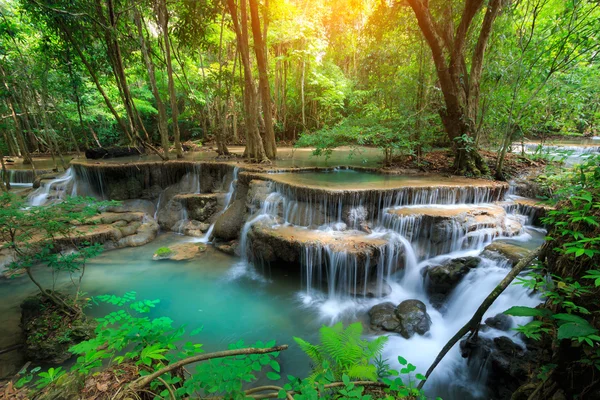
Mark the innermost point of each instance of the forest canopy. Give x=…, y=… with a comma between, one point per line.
x=404, y=76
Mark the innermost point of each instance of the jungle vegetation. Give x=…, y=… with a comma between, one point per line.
x=405, y=76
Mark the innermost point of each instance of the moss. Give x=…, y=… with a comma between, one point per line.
x=49, y=333
x=163, y=251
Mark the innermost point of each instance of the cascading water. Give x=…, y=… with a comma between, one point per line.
x=229, y=197
x=334, y=279
x=55, y=190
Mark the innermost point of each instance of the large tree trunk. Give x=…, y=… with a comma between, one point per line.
x=163, y=17
x=163, y=125
x=92, y=73
x=221, y=134
x=18, y=131
x=254, y=146
x=263, y=79
x=460, y=87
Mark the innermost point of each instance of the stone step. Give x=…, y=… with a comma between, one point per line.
x=289, y=243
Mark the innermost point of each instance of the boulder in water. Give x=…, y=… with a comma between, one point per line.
x=195, y=228
x=229, y=224
x=113, y=152
x=500, y=250
x=383, y=317
x=413, y=318
x=180, y=252
x=509, y=364
x=227, y=247
x=502, y=322
x=408, y=318
x=442, y=279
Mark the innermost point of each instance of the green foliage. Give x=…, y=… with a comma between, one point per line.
x=569, y=283
x=163, y=251
x=34, y=235
x=344, y=351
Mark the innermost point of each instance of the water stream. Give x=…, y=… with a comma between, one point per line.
x=335, y=216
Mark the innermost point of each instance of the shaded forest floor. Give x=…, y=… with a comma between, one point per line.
x=441, y=162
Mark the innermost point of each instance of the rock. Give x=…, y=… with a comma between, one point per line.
x=372, y=290
x=500, y=321
x=152, y=193
x=195, y=228
x=201, y=207
x=508, y=364
x=228, y=225
x=48, y=333
x=144, y=206
x=442, y=279
x=112, y=217
x=113, y=152
x=413, y=318
x=258, y=191
x=227, y=247
x=169, y=215
x=408, y=318
x=145, y=234
x=180, y=252
x=500, y=250
x=383, y=317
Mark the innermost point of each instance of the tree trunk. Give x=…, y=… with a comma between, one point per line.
x=92, y=73
x=18, y=131
x=254, y=146
x=263, y=79
x=460, y=87
x=163, y=17
x=5, y=181
x=163, y=125
x=221, y=134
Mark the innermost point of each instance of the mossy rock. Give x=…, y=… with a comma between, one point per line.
x=180, y=252
x=49, y=333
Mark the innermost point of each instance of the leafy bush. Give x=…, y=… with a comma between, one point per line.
x=33, y=235
x=569, y=276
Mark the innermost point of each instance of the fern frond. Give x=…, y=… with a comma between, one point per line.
x=313, y=351
x=368, y=372
x=375, y=347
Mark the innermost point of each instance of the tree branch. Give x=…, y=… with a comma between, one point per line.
x=143, y=381
x=473, y=324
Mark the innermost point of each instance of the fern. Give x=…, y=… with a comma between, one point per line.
x=344, y=351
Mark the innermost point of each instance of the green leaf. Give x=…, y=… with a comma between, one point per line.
x=573, y=330
x=275, y=365
x=273, y=376
x=521, y=311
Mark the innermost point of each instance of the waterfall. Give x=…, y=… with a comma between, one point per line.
x=229, y=197
x=54, y=190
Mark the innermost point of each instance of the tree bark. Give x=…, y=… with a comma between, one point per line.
x=221, y=134
x=460, y=87
x=263, y=80
x=163, y=125
x=92, y=73
x=163, y=18
x=254, y=146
